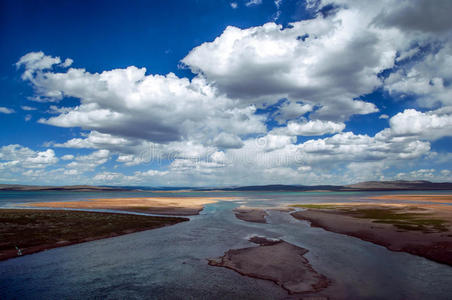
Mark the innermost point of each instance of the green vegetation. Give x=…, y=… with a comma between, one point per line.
x=402, y=219
x=35, y=228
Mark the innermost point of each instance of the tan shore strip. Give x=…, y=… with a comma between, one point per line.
x=182, y=206
x=27, y=231
x=277, y=261
x=420, y=229
x=408, y=197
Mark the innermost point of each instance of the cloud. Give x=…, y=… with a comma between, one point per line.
x=330, y=61
x=36, y=61
x=416, y=124
x=278, y=4
x=253, y=2
x=28, y=108
x=95, y=140
x=426, y=174
x=234, y=5
x=311, y=128
x=224, y=140
x=266, y=63
x=84, y=163
x=291, y=110
x=67, y=62
x=137, y=177
x=18, y=156
x=426, y=78
x=253, y=92
x=130, y=104
x=418, y=15
x=5, y=110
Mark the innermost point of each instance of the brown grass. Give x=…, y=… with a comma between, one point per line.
x=33, y=230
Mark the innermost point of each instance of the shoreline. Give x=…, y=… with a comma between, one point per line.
x=422, y=230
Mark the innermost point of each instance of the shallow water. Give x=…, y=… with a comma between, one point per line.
x=171, y=262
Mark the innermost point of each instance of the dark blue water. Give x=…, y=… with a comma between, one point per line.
x=171, y=262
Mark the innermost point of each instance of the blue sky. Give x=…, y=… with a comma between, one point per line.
x=214, y=93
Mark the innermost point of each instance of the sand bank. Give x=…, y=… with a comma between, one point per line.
x=33, y=230
x=256, y=214
x=249, y=214
x=423, y=198
x=182, y=206
x=278, y=261
x=423, y=230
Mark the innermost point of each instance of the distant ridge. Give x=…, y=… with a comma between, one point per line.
x=282, y=187
x=399, y=185
x=396, y=185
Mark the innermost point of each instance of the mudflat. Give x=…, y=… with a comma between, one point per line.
x=420, y=229
x=181, y=206
x=257, y=214
x=33, y=230
x=275, y=260
x=250, y=214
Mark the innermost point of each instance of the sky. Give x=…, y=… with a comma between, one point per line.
x=225, y=93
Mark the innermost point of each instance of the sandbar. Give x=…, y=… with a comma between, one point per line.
x=423, y=198
x=257, y=214
x=250, y=214
x=179, y=206
x=34, y=230
x=277, y=261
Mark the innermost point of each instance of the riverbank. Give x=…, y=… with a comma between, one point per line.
x=26, y=231
x=422, y=229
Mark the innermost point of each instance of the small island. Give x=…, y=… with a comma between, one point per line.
x=250, y=214
x=277, y=261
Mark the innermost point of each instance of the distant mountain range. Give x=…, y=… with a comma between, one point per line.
x=397, y=185
x=282, y=187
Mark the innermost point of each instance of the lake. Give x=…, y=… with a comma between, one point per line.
x=171, y=262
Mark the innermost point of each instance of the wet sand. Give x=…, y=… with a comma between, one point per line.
x=249, y=214
x=257, y=214
x=33, y=230
x=421, y=229
x=277, y=261
x=180, y=206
